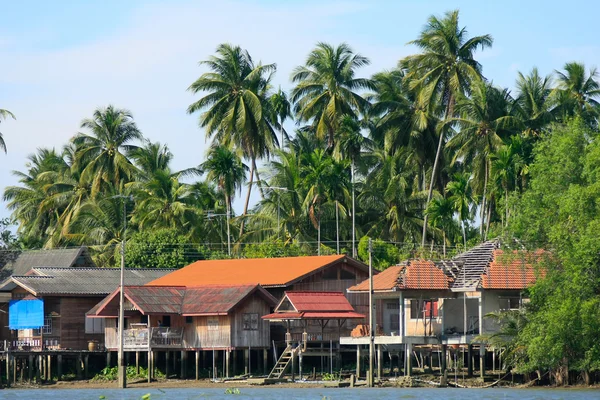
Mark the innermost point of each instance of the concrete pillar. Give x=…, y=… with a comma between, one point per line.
x=443, y=366
x=197, y=366
x=137, y=362
x=246, y=359
x=379, y=362
x=469, y=360
x=358, y=360
x=402, y=316
x=408, y=359
x=482, y=360
x=149, y=366
x=167, y=359
x=227, y=355
x=49, y=368
x=183, y=374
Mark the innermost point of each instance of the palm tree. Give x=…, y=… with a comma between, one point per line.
x=4, y=114
x=577, y=92
x=282, y=108
x=226, y=169
x=486, y=119
x=349, y=145
x=102, y=154
x=327, y=88
x=151, y=157
x=440, y=210
x=443, y=71
x=460, y=193
x=534, y=102
x=236, y=109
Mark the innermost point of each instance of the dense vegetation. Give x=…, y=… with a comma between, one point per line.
x=428, y=157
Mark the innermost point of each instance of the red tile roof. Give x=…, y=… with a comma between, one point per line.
x=416, y=274
x=205, y=300
x=268, y=272
x=511, y=270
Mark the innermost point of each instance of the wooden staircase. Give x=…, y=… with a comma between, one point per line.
x=283, y=363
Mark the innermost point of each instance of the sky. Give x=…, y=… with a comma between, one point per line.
x=63, y=59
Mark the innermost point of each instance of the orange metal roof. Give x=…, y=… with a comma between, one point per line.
x=267, y=272
x=383, y=281
x=511, y=270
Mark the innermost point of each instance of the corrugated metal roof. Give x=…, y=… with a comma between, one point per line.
x=268, y=272
x=64, y=258
x=319, y=301
x=313, y=315
x=205, y=300
x=84, y=281
x=473, y=264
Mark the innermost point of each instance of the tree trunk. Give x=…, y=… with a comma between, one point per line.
x=247, y=200
x=435, y=165
x=464, y=234
x=258, y=181
x=319, y=237
x=228, y=201
x=506, y=206
x=489, y=218
x=483, y=200
x=444, y=239
x=353, y=211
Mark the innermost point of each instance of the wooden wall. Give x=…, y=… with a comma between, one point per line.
x=72, y=322
x=251, y=338
x=196, y=335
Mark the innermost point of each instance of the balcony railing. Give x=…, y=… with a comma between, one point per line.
x=161, y=337
x=319, y=337
x=33, y=343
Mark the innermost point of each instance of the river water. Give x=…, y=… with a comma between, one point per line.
x=305, y=394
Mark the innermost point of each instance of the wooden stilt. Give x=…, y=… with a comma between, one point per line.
x=137, y=362
x=14, y=369
x=86, y=366
x=443, y=359
x=30, y=367
x=174, y=362
x=59, y=366
x=150, y=366
x=469, y=360
x=246, y=358
x=408, y=355
x=108, y=359
x=49, y=368
x=78, y=366
x=183, y=373
x=197, y=366
x=482, y=361
x=167, y=359
x=265, y=361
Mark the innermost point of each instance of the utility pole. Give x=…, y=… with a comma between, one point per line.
x=371, y=316
x=122, y=370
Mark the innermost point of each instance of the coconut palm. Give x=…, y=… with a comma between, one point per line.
x=577, y=92
x=326, y=88
x=226, y=169
x=534, y=102
x=102, y=153
x=440, y=212
x=282, y=109
x=443, y=71
x=4, y=114
x=151, y=157
x=487, y=118
x=236, y=110
x=460, y=193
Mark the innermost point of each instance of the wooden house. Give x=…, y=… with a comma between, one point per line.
x=64, y=295
x=223, y=318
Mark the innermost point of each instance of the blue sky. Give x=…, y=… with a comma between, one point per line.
x=62, y=59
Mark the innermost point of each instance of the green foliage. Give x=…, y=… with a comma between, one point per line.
x=332, y=377
x=384, y=254
x=164, y=248
x=111, y=374
x=232, y=391
x=272, y=248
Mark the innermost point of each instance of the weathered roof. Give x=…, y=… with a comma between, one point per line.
x=414, y=274
x=314, y=305
x=81, y=281
x=268, y=272
x=64, y=258
x=513, y=270
x=192, y=301
x=473, y=264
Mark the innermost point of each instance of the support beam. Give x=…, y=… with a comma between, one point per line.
x=8, y=369
x=149, y=366
x=183, y=373
x=137, y=362
x=246, y=359
x=408, y=355
x=108, y=359
x=49, y=368
x=167, y=359
x=197, y=366
x=443, y=354
x=482, y=360
x=86, y=366
x=227, y=355
x=30, y=367
x=38, y=370
x=265, y=361
x=469, y=360
x=379, y=362
x=358, y=360
x=78, y=366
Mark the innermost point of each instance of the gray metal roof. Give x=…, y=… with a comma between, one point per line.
x=83, y=281
x=473, y=264
x=65, y=258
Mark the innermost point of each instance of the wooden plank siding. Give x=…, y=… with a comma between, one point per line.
x=72, y=322
x=258, y=338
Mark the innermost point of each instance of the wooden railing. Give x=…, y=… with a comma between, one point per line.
x=319, y=337
x=33, y=343
x=137, y=339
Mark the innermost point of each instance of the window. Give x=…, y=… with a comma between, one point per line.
x=188, y=320
x=213, y=324
x=423, y=309
x=250, y=321
x=166, y=321
x=144, y=319
x=94, y=325
x=392, y=306
x=509, y=303
x=46, y=329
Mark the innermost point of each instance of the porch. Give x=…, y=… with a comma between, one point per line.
x=145, y=338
